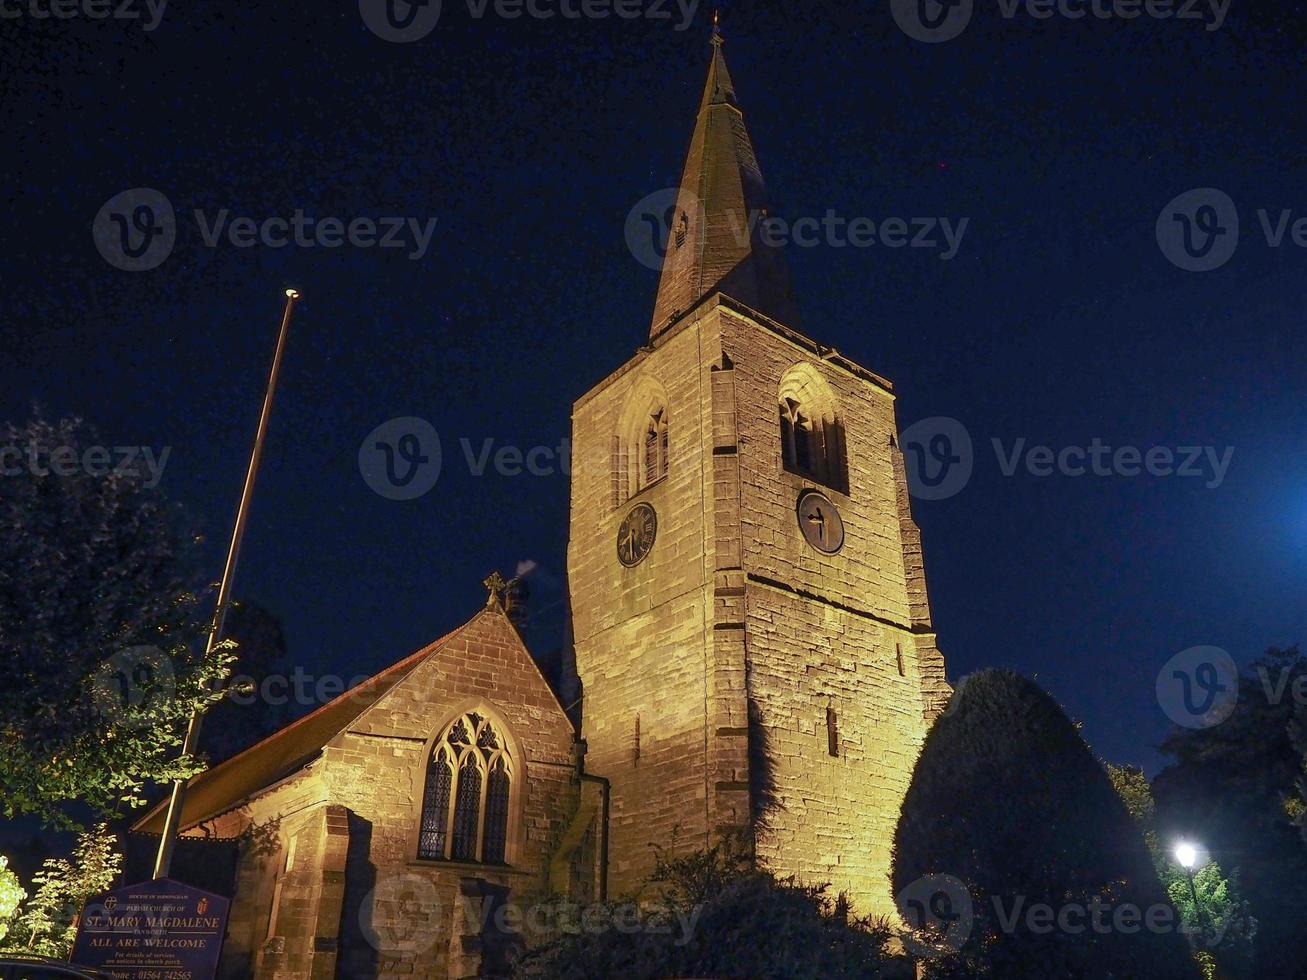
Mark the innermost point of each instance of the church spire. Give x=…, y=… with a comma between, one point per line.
x=714, y=240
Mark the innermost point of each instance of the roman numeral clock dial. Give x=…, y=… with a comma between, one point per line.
x=635, y=537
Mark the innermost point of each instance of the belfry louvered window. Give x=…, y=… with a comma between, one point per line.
x=812, y=435
x=465, y=806
x=655, y=449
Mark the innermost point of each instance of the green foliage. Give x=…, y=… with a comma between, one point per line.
x=48, y=924
x=101, y=643
x=1007, y=799
x=11, y=896
x=238, y=721
x=1237, y=787
x=717, y=917
x=1221, y=926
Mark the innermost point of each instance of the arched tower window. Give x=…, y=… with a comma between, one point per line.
x=642, y=444
x=655, y=448
x=471, y=768
x=812, y=436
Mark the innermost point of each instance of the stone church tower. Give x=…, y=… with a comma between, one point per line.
x=751, y=631
x=751, y=624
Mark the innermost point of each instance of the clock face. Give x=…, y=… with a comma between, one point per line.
x=820, y=522
x=636, y=536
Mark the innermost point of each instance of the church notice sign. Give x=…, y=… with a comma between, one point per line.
x=157, y=930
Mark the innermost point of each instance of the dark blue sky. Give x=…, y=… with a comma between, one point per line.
x=1059, y=320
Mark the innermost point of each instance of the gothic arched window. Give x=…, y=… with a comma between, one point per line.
x=654, y=464
x=471, y=768
x=812, y=437
x=642, y=443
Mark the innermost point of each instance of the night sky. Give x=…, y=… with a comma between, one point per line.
x=1059, y=320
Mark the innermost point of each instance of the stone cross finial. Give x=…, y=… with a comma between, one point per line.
x=497, y=586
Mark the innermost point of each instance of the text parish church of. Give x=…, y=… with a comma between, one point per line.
x=752, y=637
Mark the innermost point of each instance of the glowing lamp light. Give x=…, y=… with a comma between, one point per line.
x=292, y=294
x=1186, y=854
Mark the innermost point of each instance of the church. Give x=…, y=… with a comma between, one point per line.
x=751, y=636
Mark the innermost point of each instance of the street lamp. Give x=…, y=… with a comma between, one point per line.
x=1187, y=856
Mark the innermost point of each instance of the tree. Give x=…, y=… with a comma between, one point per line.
x=1237, y=788
x=101, y=643
x=48, y=924
x=1221, y=926
x=719, y=917
x=1011, y=823
x=11, y=896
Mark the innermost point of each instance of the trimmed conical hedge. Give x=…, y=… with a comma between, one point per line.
x=1008, y=800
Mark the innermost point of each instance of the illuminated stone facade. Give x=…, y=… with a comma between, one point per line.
x=753, y=657
x=739, y=678
x=715, y=671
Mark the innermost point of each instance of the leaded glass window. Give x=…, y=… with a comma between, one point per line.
x=496, y=832
x=465, y=805
x=435, y=806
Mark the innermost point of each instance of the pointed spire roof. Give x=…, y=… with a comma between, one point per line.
x=714, y=241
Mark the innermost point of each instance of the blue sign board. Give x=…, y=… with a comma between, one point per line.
x=157, y=930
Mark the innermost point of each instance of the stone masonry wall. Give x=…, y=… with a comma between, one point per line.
x=353, y=819
x=826, y=632
x=643, y=634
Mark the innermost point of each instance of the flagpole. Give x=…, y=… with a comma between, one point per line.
x=172, y=825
